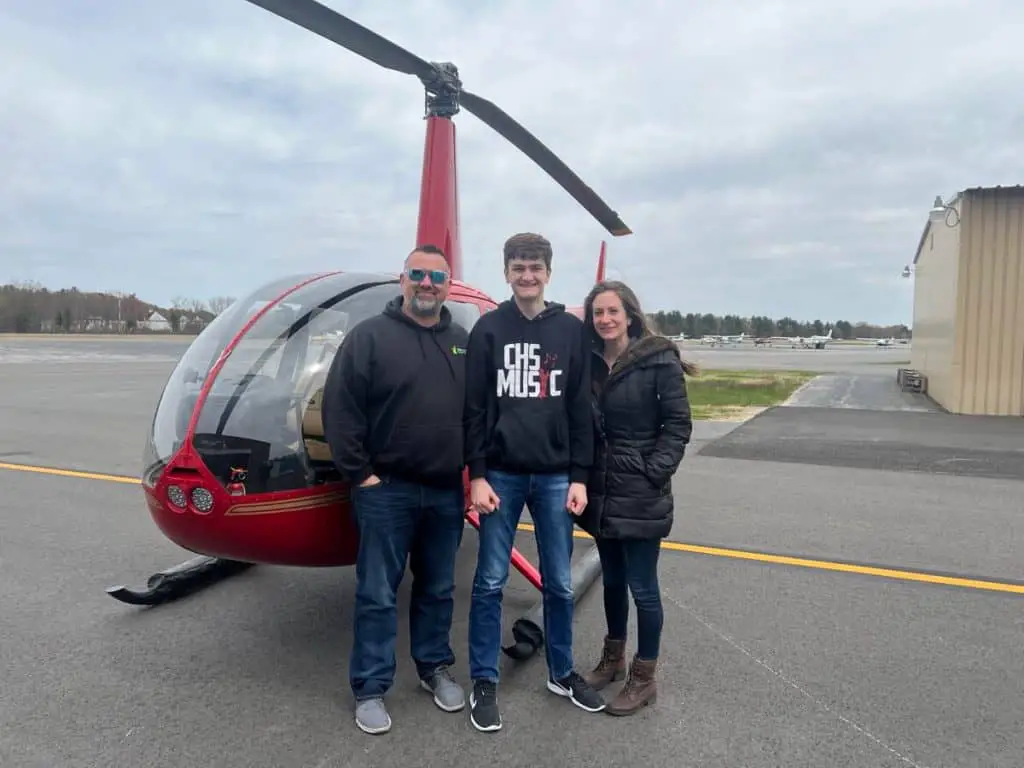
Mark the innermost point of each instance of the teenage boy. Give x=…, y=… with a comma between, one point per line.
x=529, y=441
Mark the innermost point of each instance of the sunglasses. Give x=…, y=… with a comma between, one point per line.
x=437, y=276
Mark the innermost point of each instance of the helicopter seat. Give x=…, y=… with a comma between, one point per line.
x=313, y=429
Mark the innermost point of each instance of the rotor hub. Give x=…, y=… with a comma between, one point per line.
x=443, y=88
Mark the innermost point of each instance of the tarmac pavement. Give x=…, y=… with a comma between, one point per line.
x=763, y=664
x=979, y=446
x=835, y=358
x=864, y=391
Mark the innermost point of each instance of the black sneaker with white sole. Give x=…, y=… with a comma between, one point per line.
x=483, y=706
x=575, y=688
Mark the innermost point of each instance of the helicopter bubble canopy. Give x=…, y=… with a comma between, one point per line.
x=259, y=429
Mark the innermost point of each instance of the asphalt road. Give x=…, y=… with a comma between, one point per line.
x=850, y=376
x=909, y=440
x=764, y=664
x=860, y=391
x=838, y=358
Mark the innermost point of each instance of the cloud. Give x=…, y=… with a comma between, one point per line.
x=771, y=157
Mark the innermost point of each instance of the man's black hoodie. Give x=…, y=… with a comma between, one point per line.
x=393, y=399
x=527, y=393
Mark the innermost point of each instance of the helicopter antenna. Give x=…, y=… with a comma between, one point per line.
x=445, y=95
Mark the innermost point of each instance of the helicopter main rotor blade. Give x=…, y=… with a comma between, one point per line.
x=323, y=21
x=531, y=146
x=330, y=24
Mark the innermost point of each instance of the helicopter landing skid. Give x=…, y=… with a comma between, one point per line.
x=179, y=581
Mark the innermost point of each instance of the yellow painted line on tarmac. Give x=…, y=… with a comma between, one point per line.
x=71, y=473
x=828, y=565
x=577, y=534
x=865, y=570
x=676, y=546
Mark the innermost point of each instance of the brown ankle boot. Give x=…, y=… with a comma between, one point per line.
x=611, y=667
x=639, y=691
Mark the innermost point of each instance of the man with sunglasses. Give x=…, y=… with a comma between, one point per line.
x=392, y=414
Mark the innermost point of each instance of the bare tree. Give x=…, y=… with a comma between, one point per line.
x=219, y=303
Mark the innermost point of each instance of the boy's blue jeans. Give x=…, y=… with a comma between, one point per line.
x=545, y=494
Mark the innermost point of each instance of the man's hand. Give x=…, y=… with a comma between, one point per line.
x=577, y=499
x=370, y=481
x=483, y=497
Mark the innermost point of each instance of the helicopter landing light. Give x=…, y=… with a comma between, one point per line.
x=202, y=500
x=176, y=496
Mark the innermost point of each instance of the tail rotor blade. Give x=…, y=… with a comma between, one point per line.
x=546, y=159
x=323, y=21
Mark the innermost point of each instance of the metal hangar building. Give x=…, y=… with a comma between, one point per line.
x=968, y=334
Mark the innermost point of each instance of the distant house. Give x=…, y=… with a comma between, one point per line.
x=155, y=322
x=99, y=324
x=194, y=321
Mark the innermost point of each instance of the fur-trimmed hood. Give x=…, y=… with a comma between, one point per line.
x=644, y=348
x=641, y=351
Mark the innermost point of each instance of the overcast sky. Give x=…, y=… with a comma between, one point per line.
x=771, y=157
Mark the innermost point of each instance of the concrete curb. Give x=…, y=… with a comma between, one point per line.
x=800, y=389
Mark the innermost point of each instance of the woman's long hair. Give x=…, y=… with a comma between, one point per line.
x=638, y=327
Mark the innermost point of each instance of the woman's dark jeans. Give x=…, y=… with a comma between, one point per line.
x=631, y=565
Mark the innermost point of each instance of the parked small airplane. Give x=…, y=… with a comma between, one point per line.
x=810, y=342
x=718, y=339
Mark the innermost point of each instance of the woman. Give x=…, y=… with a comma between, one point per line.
x=643, y=425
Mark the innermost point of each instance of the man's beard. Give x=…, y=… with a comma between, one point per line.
x=424, y=305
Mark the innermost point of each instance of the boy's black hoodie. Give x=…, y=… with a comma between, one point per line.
x=527, y=396
x=393, y=399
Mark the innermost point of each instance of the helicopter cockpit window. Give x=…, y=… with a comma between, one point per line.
x=464, y=313
x=262, y=411
x=256, y=414
x=170, y=423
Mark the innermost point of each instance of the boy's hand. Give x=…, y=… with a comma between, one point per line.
x=577, y=499
x=482, y=496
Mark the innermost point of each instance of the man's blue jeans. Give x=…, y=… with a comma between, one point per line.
x=403, y=522
x=546, y=495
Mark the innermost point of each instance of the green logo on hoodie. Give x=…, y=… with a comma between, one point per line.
x=457, y=350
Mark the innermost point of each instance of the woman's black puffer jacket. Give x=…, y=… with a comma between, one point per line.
x=643, y=424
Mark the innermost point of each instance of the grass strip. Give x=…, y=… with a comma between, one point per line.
x=728, y=395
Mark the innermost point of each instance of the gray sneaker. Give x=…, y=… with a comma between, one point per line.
x=372, y=716
x=448, y=695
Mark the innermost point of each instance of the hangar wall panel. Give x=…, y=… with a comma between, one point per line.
x=988, y=364
x=936, y=279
